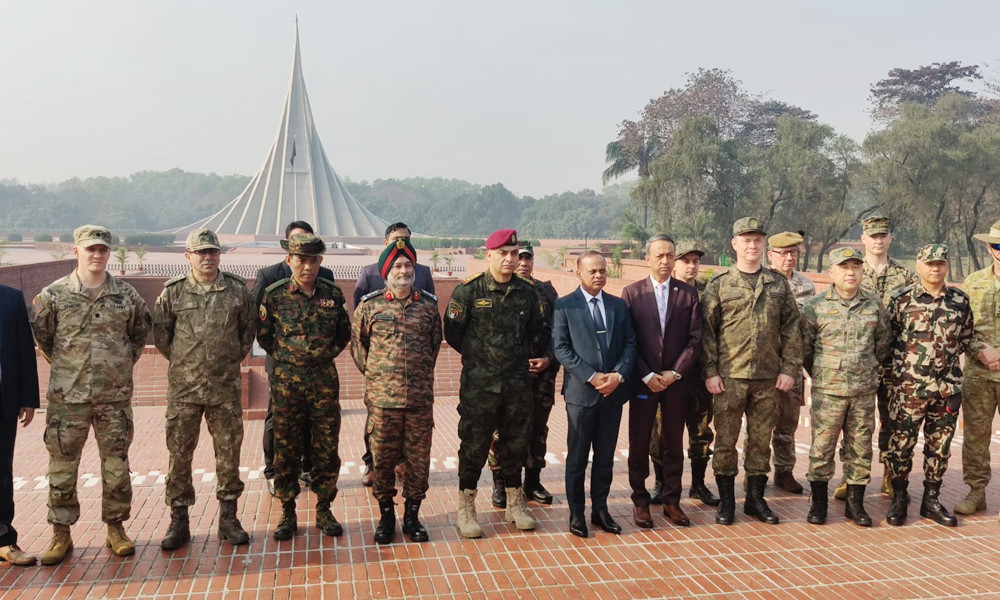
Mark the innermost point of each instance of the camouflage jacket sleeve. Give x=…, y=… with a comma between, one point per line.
x=361, y=334
x=163, y=323
x=343, y=335
x=43, y=320
x=265, y=325
x=711, y=314
x=436, y=332
x=247, y=324
x=540, y=344
x=810, y=329
x=547, y=295
x=457, y=317
x=791, y=337
x=139, y=325
x=883, y=336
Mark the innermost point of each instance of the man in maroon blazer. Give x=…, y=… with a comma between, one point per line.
x=666, y=317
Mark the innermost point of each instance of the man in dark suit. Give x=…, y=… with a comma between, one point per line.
x=265, y=277
x=18, y=401
x=370, y=281
x=666, y=317
x=592, y=338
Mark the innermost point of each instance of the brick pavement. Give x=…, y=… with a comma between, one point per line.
x=747, y=560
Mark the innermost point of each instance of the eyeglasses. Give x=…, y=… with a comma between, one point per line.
x=792, y=252
x=995, y=246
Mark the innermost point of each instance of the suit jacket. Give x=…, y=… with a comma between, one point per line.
x=370, y=280
x=679, y=347
x=18, y=367
x=575, y=346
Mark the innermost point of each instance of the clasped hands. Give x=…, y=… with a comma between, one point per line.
x=605, y=383
x=715, y=386
x=990, y=358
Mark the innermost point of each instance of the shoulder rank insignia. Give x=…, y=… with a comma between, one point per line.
x=473, y=277
x=370, y=295
x=428, y=294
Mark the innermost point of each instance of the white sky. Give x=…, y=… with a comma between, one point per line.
x=524, y=93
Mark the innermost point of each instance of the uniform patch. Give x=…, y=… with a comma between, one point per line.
x=484, y=303
x=383, y=317
x=327, y=303
x=262, y=312
x=454, y=309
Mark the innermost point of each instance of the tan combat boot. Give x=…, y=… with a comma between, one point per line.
x=118, y=541
x=973, y=503
x=840, y=493
x=468, y=526
x=517, y=512
x=59, y=547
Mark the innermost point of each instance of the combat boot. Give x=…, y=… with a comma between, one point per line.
x=468, y=526
x=698, y=488
x=727, y=499
x=499, y=498
x=840, y=493
x=118, y=541
x=533, y=488
x=230, y=529
x=179, y=530
x=786, y=481
x=900, y=502
x=287, y=524
x=930, y=506
x=855, y=508
x=59, y=547
x=819, y=502
x=411, y=522
x=386, y=529
x=974, y=502
x=755, y=505
x=325, y=521
x=517, y=512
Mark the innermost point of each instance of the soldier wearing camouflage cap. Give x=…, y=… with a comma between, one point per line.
x=204, y=325
x=751, y=351
x=92, y=329
x=845, y=337
x=981, y=386
x=931, y=327
x=783, y=254
x=395, y=339
x=304, y=325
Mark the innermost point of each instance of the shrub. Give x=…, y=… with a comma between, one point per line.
x=15, y=237
x=149, y=239
x=43, y=237
x=66, y=238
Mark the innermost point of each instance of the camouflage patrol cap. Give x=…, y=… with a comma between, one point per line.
x=304, y=244
x=747, y=225
x=685, y=247
x=86, y=236
x=839, y=256
x=785, y=239
x=875, y=224
x=933, y=253
x=202, y=239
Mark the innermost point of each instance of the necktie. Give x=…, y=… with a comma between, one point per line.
x=661, y=304
x=602, y=332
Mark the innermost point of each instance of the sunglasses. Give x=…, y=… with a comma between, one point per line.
x=995, y=246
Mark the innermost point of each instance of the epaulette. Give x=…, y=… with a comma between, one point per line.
x=234, y=276
x=525, y=279
x=330, y=281
x=717, y=275
x=901, y=291
x=371, y=295
x=276, y=285
x=174, y=280
x=428, y=294
x=473, y=277
x=960, y=291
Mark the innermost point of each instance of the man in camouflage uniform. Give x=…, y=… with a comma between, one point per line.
x=783, y=254
x=496, y=321
x=204, y=325
x=395, y=339
x=931, y=327
x=304, y=325
x=543, y=371
x=883, y=277
x=751, y=350
x=91, y=328
x=982, y=376
x=845, y=338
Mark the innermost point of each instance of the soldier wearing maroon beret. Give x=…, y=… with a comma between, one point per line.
x=496, y=321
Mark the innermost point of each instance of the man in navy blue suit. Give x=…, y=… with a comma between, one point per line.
x=18, y=401
x=592, y=337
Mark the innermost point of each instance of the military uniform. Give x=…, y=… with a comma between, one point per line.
x=92, y=344
x=305, y=334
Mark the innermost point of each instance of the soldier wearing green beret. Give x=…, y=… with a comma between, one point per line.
x=204, y=325
x=92, y=329
x=783, y=253
x=845, y=337
x=304, y=325
x=751, y=350
x=931, y=327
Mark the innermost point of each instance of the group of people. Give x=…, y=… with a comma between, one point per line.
x=684, y=352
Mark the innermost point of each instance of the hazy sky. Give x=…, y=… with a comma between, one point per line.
x=525, y=93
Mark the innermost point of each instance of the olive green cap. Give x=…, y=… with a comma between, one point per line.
x=841, y=255
x=687, y=247
x=86, y=236
x=747, y=225
x=785, y=239
x=202, y=239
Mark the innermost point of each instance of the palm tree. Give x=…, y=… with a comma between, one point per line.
x=634, y=149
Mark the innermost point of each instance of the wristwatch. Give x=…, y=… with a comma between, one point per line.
x=677, y=376
x=621, y=378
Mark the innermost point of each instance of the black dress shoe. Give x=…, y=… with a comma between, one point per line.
x=602, y=519
x=578, y=525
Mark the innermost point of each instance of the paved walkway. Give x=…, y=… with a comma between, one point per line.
x=747, y=560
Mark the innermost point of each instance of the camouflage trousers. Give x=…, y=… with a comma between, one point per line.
x=66, y=429
x=908, y=414
x=395, y=431
x=543, y=395
x=699, y=429
x=980, y=399
x=885, y=423
x=302, y=398
x=480, y=413
x=225, y=425
x=758, y=400
x=783, y=440
x=854, y=417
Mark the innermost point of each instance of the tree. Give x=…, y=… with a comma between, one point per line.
x=121, y=255
x=140, y=254
x=923, y=85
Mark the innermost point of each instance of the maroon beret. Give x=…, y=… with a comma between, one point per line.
x=501, y=237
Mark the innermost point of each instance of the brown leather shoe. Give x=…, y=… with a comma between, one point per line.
x=15, y=556
x=676, y=515
x=368, y=478
x=642, y=517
